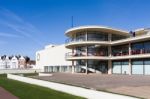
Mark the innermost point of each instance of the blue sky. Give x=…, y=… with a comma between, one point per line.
x=28, y=25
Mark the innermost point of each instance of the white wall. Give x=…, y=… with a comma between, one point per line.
x=52, y=56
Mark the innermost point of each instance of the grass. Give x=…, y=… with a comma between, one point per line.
x=29, y=91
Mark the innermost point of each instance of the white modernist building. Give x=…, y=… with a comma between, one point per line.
x=52, y=59
x=99, y=49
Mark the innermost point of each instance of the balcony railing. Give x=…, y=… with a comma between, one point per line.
x=140, y=51
x=69, y=40
x=100, y=53
x=133, y=52
x=121, y=53
x=79, y=54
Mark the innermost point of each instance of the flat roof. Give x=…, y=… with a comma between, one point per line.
x=106, y=29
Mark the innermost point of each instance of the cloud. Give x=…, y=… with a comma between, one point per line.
x=2, y=34
x=16, y=23
x=8, y=14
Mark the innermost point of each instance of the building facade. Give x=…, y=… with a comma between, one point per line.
x=98, y=49
x=52, y=59
x=13, y=62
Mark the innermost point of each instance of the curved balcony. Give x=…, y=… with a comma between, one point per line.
x=77, y=42
x=134, y=54
x=89, y=55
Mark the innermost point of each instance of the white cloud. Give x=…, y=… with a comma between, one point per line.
x=16, y=23
x=2, y=34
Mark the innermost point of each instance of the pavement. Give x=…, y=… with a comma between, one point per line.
x=4, y=94
x=134, y=85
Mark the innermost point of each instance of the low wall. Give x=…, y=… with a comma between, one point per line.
x=78, y=91
x=2, y=71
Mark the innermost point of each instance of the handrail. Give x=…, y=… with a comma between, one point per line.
x=69, y=40
x=89, y=53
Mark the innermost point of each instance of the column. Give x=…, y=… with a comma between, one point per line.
x=109, y=55
x=130, y=67
x=86, y=64
x=109, y=37
x=73, y=68
x=86, y=36
x=109, y=67
x=129, y=48
x=109, y=51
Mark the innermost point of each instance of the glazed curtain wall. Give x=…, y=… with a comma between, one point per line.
x=120, y=67
x=57, y=68
x=141, y=66
x=94, y=36
x=120, y=50
x=140, y=48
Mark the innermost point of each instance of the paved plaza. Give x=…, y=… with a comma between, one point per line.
x=135, y=85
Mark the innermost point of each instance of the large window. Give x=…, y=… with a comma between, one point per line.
x=117, y=67
x=81, y=36
x=96, y=36
x=147, y=67
x=137, y=67
x=93, y=66
x=80, y=51
x=121, y=67
x=97, y=50
x=98, y=66
x=147, y=47
x=120, y=50
x=125, y=67
x=140, y=48
x=117, y=37
x=141, y=66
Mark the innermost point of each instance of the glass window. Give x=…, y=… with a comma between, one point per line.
x=125, y=67
x=97, y=36
x=97, y=50
x=137, y=46
x=137, y=67
x=147, y=67
x=117, y=37
x=45, y=68
x=120, y=50
x=121, y=67
x=117, y=67
x=147, y=47
x=50, y=68
x=80, y=36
